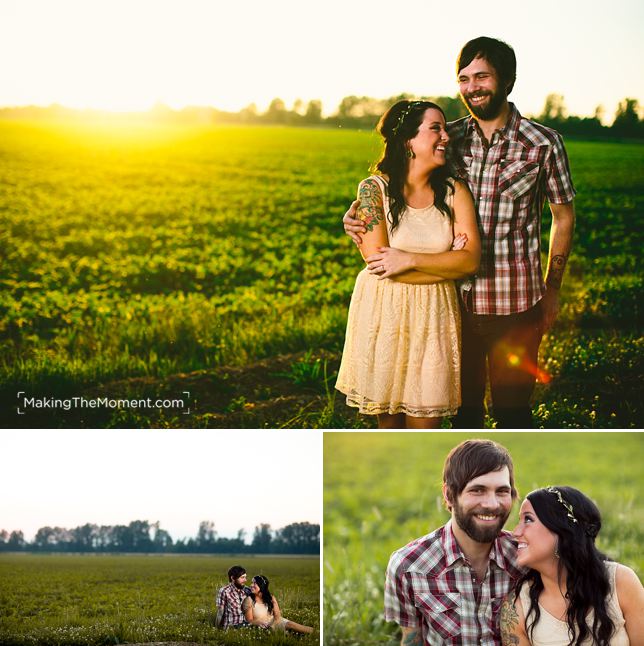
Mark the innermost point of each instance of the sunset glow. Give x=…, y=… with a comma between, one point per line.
x=131, y=55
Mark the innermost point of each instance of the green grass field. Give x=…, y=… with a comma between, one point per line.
x=150, y=260
x=383, y=490
x=70, y=600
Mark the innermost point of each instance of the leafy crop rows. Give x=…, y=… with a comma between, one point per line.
x=160, y=250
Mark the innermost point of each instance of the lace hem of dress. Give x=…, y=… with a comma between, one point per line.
x=367, y=407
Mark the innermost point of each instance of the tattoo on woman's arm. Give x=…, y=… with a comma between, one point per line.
x=371, y=210
x=556, y=271
x=509, y=623
x=412, y=638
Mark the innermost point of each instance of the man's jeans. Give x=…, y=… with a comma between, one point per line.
x=510, y=344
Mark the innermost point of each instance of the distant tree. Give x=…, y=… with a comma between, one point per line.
x=599, y=113
x=249, y=113
x=262, y=539
x=162, y=541
x=452, y=106
x=313, y=112
x=554, y=110
x=299, y=538
x=16, y=540
x=84, y=537
x=276, y=112
x=206, y=535
x=627, y=122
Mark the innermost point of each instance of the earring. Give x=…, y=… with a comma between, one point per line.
x=410, y=153
x=556, y=551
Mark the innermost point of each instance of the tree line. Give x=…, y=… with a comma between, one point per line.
x=360, y=112
x=147, y=537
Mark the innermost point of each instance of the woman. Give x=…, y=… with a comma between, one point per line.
x=572, y=594
x=401, y=358
x=261, y=609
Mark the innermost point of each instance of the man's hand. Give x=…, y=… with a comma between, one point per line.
x=352, y=225
x=459, y=242
x=550, y=307
x=389, y=262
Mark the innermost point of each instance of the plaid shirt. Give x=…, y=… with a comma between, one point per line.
x=431, y=585
x=230, y=599
x=524, y=164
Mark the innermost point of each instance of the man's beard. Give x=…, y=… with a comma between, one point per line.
x=478, y=533
x=488, y=112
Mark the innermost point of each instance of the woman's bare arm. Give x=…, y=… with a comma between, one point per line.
x=372, y=213
x=512, y=623
x=448, y=264
x=630, y=596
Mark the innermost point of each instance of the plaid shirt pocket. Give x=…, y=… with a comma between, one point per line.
x=442, y=614
x=516, y=178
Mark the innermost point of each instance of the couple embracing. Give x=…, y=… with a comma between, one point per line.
x=459, y=201
x=239, y=606
x=469, y=583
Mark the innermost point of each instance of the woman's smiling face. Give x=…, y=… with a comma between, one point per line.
x=536, y=543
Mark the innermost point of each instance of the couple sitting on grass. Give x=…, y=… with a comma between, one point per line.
x=239, y=606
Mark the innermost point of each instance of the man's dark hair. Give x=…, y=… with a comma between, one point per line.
x=235, y=572
x=497, y=53
x=471, y=459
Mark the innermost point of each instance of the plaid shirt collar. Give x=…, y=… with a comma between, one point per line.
x=509, y=131
x=454, y=554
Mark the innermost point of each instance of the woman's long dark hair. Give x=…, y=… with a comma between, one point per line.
x=397, y=126
x=576, y=521
x=267, y=597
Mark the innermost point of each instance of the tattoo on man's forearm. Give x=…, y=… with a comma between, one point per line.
x=509, y=622
x=371, y=210
x=412, y=638
x=556, y=271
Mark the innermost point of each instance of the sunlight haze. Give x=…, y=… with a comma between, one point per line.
x=121, y=55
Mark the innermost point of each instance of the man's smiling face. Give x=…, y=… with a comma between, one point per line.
x=484, y=505
x=481, y=89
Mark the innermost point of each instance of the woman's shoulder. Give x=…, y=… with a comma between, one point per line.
x=375, y=180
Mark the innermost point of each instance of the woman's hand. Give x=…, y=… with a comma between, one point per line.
x=389, y=262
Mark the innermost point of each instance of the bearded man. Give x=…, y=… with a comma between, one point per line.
x=448, y=587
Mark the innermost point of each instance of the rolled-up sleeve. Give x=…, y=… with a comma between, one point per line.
x=559, y=186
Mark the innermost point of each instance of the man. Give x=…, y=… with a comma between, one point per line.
x=447, y=587
x=511, y=165
x=230, y=599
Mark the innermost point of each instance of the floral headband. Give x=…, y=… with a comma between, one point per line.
x=569, y=510
x=404, y=113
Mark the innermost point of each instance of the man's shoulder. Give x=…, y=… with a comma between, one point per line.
x=459, y=126
x=422, y=554
x=535, y=133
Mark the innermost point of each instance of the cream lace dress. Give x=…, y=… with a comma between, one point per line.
x=402, y=348
x=260, y=612
x=551, y=631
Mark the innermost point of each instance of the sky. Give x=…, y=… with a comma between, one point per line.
x=131, y=54
x=238, y=479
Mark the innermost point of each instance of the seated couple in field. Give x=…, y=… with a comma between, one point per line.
x=459, y=201
x=239, y=606
x=543, y=584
